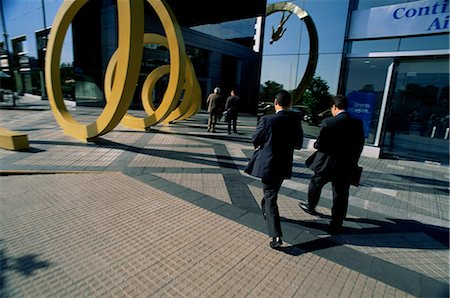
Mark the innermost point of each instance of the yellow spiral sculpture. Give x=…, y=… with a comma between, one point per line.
x=123, y=70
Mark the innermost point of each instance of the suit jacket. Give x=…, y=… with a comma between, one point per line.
x=339, y=145
x=276, y=136
x=214, y=101
x=231, y=105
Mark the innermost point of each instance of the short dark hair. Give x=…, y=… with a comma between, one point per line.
x=283, y=98
x=340, y=101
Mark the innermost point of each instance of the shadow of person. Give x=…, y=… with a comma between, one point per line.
x=309, y=246
x=366, y=232
x=411, y=235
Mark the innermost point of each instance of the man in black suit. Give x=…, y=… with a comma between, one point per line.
x=339, y=146
x=231, y=107
x=276, y=136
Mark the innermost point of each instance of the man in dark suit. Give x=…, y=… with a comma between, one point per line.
x=276, y=136
x=339, y=146
x=231, y=107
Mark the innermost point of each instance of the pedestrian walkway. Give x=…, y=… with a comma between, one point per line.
x=170, y=213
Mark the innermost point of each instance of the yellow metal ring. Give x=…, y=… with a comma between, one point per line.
x=131, y=20
x=154, y=116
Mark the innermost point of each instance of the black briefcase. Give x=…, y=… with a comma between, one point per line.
x=355, y=176
x=249, y=168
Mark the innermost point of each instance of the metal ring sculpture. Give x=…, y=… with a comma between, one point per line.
x=313, y=43
x=166, y=111
x=123, y=70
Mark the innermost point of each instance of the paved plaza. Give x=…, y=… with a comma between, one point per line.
x=170, y=213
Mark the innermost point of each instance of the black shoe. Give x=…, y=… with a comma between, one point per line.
x=334, y=230
x=276, y=242
x=308, y=210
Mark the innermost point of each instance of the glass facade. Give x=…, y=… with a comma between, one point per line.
x=405, y=80
x=365, y=80
x=417, y=118
x=365, y=4
x=284, y=60
x=417, y=43
x=238, y=31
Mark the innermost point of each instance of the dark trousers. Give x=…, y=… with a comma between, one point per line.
x=212, y=120
x=232, y=120
x=341, y=188
x=270, y=207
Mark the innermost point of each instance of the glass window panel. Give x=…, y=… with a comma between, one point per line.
x=239, y=31
x=417, y=119
x=369, y=46
x=330, y=25
x=282, y=69
x=328, y=67
x=365, y=79
x=330, y=19
x=289, y=43
x=433, y=42
x=289, y=70
x=366, y=4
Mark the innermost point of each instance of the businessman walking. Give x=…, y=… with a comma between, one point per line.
x=276, y=136
x=339, y=146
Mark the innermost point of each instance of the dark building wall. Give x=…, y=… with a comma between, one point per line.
x=87, y=45
x=231, y=65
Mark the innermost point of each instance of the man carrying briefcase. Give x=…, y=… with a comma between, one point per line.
x=339, y=146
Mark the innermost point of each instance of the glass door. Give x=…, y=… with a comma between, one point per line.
x=417, y=122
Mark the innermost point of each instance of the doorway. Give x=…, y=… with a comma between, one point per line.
x=417, y=122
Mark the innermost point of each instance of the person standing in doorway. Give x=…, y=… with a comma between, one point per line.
x=339, y=146
x=214, y=102
x=275, y=138
x=231, y=109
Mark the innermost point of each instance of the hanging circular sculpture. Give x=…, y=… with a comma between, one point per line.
x=313, y=43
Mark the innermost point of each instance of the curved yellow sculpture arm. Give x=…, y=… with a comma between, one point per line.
x=123, y=70
x=131, y=20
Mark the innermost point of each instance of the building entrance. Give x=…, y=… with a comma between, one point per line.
x=417, y=122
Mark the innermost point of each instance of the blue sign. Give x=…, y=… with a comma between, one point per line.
x=361, y=106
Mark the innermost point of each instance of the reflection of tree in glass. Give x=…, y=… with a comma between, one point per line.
x=317, y=99
x=269, y=90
